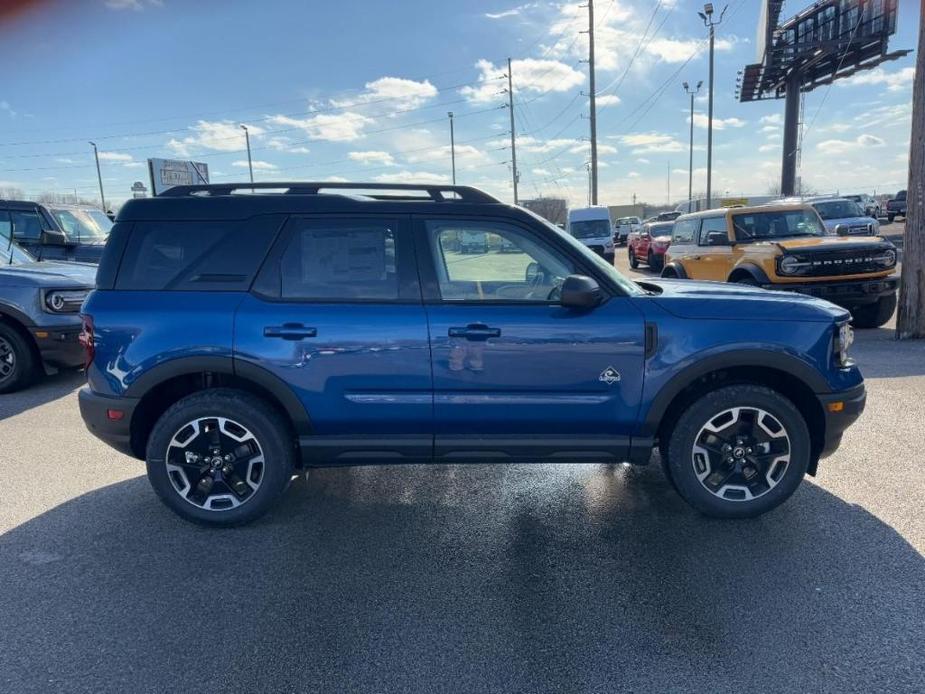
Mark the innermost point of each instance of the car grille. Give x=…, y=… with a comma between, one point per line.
x=843, y=262
x=859, y=229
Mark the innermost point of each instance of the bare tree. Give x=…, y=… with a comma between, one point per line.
x=11, y=193
x=910, y=322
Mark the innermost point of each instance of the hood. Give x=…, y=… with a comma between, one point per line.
x=51, y=273
x=726, y=301
x=834, y=243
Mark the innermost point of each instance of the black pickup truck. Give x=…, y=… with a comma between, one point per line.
x=51, y=231
x=896, y=207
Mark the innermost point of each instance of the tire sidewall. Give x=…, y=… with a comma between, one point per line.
x=23, y=361
x=251, y=413
x=708, y=406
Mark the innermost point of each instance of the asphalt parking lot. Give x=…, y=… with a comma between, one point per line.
x=520, y=578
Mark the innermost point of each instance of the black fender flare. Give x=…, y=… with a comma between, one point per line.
x=233, y=367
x=780, y=361
x=678, y=269
x=17, y=315
x=753, y=271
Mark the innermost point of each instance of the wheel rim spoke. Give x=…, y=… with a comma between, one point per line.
x=741, y=453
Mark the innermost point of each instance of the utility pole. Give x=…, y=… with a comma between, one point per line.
x=510, y=106
x=668, y=182
x=690, y=163
x=910, y=322
x=452, y=147
x=99, y=176
x=593, y=102
x=707, y=17
x=590, y=184
x=250, y=164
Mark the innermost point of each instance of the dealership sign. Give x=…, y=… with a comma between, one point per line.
x=167, y=173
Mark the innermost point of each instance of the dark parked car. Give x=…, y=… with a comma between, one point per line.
x=39, y=321
x=58, y=232
x=896, y=207
x=235, y=338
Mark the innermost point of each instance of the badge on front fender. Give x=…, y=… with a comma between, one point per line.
x=609, y=376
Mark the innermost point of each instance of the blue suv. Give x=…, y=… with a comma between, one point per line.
x=234, y=339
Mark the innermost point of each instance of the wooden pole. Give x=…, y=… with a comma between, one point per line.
x=910, y=323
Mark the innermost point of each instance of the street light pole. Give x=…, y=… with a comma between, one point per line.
x=707, y=17
x=510, y=105
x=592, y=105
x=690, y=164
x=250, y=163
x=99, y=176
x=452, y=147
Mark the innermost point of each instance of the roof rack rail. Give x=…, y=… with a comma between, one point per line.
x=435, y=192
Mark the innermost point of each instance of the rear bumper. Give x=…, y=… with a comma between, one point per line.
x=59, y=346
x=852, y=405
x=846, y=294
x=95, y=411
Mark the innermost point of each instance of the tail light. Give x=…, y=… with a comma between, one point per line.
x=86, y=338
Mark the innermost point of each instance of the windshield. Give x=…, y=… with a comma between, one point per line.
x=627, y=220
x=590, y=229
x=11, y=254
x=838, y=209
x=83, y=224
x=663, y=229
x=630, y=288
x=774, y=225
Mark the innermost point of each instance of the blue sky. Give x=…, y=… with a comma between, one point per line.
x=360, y=90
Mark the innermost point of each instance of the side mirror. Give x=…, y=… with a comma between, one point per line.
x=717, y=238
x=841, y=229
x=580, y=291
x=52, y=237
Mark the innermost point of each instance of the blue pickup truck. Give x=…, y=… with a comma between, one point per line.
x=233, y=339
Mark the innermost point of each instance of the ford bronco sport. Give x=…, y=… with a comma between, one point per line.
x=235, y=338
x=58, y=232
x=785, y=247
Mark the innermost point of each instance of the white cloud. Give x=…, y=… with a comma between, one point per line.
x=136, y=5
x=642, y=160
x=894, y=81
x=512, y=12
x=773, y=119
x=768, y=148
x=633, y=174
x=405, y=176
x=842, y=146
x=6, y=108
x=465, y=154
x=284, y=144
x=770, y=129
x=115, y=156
x=701, y=120
x=342, y=127
x=401, y=93
x=257, y=164
x=655, y=143
x=541, y=172
x=373, y=157
x=529, y=75
x=679, y=50
x=608, y=100
x=223, y=136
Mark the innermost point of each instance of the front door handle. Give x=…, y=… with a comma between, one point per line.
x=290, y=331
x=475, y=331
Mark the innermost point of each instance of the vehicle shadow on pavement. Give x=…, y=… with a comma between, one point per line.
x=47, y=389
x=461, y=578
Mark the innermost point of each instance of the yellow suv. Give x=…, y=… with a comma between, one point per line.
x=787, y=247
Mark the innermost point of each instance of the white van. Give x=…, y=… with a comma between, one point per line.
x=591, y=226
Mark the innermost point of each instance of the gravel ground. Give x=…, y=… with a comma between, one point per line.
x=501, y=578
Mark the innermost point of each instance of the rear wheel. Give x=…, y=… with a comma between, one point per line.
x=654, y=262
x=738, y=451
x=745, y=279
x=17, y=360
x=220, y=457
x=874, y=315
x=890, y=218
x=634, y=263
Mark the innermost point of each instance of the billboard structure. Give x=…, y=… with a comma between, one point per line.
x=830, y=40
x=167, y=173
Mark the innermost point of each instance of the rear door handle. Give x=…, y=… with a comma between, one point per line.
x=475, y=331
x=290, y=331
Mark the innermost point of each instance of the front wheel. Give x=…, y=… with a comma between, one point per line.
x=738, y=451
x=18, y=366
x=890, y=218
x=220, y=457
x=634, y=263
x=874, y=315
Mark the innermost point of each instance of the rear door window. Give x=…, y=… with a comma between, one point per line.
x=714, y=232
x=685, y=231
x=195, y=256
x=27, y=225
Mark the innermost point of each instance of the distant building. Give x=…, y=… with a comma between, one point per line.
x=554, y=210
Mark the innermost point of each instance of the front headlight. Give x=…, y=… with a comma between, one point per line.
x=64, y=300
x=886, y=259
x=789, y=264
x=844, y=338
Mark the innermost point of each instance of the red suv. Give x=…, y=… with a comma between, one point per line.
x=649, y=244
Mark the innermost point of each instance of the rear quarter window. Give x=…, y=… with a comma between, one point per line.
x=195, y=256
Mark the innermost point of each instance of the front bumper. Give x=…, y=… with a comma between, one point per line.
x=95, y=411
x=846, y=293
x=59, y=347
x=841, y=410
